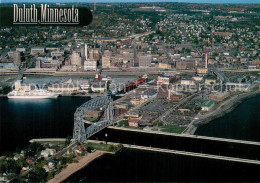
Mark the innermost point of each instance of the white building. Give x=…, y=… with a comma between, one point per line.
x=90, y=65
x=75, y=59
x=48, y=152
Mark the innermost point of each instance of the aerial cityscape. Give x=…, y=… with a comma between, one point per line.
x=148, y=91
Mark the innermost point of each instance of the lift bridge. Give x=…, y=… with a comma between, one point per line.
x=80, y=133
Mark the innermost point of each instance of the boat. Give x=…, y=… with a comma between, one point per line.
x=32, y=94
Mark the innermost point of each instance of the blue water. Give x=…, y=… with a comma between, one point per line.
x=24, y=119
x=241, y=123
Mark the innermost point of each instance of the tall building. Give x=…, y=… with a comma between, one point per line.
x=145, y=61
x=94, y=54
x=90, y=65
x=75, y=59
x=106, y=60
x=86, y=51
x=17, y=57
x=206, y=61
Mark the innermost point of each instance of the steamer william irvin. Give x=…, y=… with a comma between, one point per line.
x=47, y=14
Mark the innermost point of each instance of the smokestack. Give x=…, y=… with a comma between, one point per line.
x=86, y=51
x=206, y=60
x=95, y=6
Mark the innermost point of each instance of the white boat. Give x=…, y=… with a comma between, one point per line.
x=32, y=94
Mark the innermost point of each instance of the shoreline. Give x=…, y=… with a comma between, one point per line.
x=75, y=167
x=222, y=110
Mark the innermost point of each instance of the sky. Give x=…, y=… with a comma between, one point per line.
x=139, y=1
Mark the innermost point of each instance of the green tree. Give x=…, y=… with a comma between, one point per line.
x=68, y=140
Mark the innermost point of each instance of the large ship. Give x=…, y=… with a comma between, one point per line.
x=23, y=91
x=33, y=94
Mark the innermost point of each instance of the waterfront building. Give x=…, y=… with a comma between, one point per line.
x=207, y=105
x=19, y=86
x=219, y=96
x=63, y=87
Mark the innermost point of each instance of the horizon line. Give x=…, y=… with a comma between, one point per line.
x=127, y=1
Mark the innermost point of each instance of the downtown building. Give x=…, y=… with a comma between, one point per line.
x=145, y=61
x=90, y=65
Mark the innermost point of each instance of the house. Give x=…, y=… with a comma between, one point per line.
x=133, y=122
x=17, y=156
x=207, y=105
x=48, y=152
x=25, y=168
x=30, y=161
x=79, y=149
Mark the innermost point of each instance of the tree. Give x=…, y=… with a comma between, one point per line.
x=68, y=140
x=89, y=149
x=51, y=175
x=6, y=89
x=38, y=175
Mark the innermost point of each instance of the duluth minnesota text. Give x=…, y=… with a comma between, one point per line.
x=47, y=15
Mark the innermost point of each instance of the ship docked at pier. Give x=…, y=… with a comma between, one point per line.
x=22, y=91
x=36, y=94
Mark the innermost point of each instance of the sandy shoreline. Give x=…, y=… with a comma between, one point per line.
x=74, y=167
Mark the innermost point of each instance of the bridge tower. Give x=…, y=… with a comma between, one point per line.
x=80, y=133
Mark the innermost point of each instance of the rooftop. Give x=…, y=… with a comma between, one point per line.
x=207, y=103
